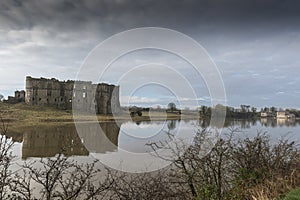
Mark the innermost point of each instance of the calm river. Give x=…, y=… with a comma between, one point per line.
x=114, y=141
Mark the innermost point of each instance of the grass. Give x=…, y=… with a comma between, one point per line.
x=293, y=195
x=22, y=114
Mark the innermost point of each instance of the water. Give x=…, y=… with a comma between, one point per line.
x=117, y=142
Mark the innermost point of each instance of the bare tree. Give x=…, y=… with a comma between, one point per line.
x=197, y=174
x=60, y=178
x=6, y=158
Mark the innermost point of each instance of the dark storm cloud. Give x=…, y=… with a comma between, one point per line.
x=247, y=39
x=72, y=15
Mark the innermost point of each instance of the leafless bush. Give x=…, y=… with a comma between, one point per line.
x=234, y=167
x=59, y=178
x=6, y=158
x=155, y=185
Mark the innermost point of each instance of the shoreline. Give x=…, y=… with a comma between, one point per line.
x=22, y=114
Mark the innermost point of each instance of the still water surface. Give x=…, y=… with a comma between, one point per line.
x=47, y=141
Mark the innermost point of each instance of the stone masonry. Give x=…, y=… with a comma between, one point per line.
x=19, y=97
x=83, y=95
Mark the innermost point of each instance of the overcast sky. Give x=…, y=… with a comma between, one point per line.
x=254, y=43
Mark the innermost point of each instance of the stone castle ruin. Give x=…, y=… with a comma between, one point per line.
x=82, y=95
x=19, y=97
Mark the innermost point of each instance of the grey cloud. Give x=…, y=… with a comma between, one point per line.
x=253, y=42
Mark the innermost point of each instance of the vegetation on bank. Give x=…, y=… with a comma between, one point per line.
x=235, y=168
x=293, y=195
x=22, y=113
x=244, y=112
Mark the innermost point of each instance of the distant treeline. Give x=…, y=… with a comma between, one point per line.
x=244, y=112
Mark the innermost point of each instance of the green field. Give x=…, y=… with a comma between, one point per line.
x=293, y=195
x=21, y=114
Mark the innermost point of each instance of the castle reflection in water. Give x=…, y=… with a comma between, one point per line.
x=49, y=140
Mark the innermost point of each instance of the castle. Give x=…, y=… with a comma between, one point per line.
x=82, y=95
x=19, y=97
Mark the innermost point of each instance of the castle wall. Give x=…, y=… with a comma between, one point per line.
x=19, y=97
x=83, y=95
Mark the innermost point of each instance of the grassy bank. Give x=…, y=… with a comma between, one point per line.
x=20, y=114
x=293, y=195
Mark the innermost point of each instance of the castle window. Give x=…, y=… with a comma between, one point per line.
x=61, y=99
x=84, y=95
x=74, y=94
x=40, y=99
x=55, y=100
x=84, y=87
x=48, y=92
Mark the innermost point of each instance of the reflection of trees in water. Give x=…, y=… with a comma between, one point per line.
x=248, y=123
x=171, y=124
x=254, y=122
x=204, y=123
x=148, y=122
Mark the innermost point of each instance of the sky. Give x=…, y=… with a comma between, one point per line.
x=255, y=44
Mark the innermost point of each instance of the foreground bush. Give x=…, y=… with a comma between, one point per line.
x=293, y=195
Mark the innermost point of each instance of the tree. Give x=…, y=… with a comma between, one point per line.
x=248, y=108
x=203, y=109
x=273, y=109
x=243, y=108
x=172, y=106
x=6, y=158
x=266, y=109
x=158, y=108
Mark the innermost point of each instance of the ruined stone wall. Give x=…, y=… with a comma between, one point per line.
x=107, y=98
x=83, y=95
x=50, y=92
x=19, y=97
